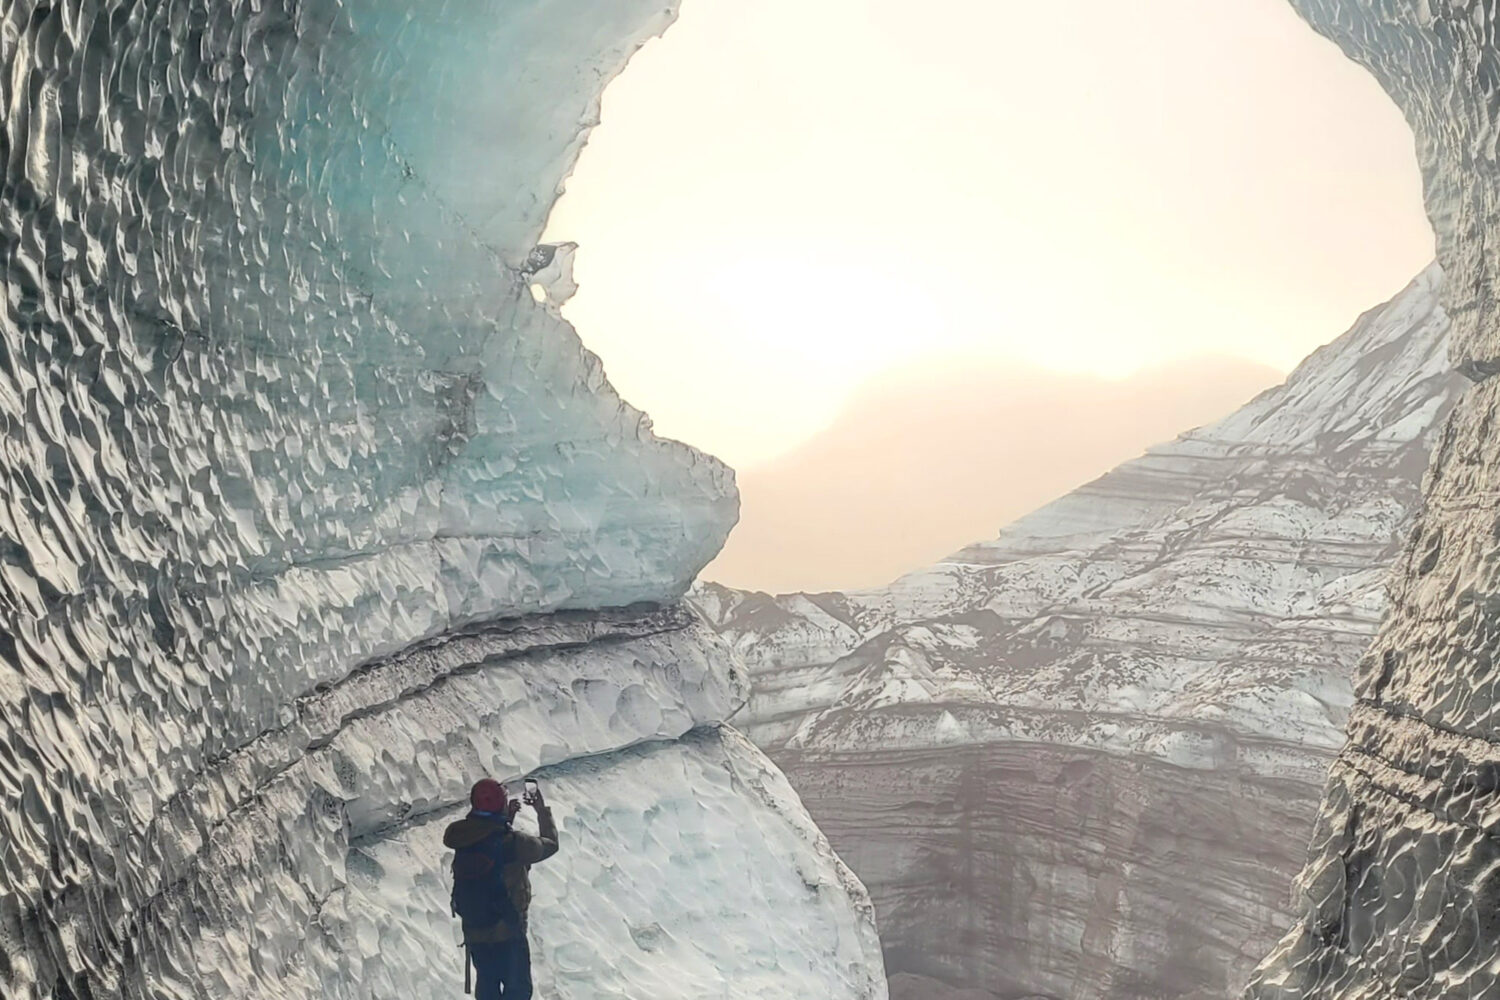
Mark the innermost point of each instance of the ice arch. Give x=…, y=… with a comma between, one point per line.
x=309, y=511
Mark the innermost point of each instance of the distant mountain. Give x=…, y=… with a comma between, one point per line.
x=1082, y=759
x=923, y=462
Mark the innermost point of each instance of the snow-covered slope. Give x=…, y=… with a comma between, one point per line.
x=1082, y=758
x=311, y=512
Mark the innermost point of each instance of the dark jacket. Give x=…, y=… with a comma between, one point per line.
x=522, y=851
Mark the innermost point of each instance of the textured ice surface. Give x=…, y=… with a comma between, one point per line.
x=1401, y=891
x=274, y=821
x=678, y=860
x=272, y=368
x=282, y=423
x=1115, y=718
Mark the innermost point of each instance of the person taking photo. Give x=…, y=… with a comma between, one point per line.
x=492, y=886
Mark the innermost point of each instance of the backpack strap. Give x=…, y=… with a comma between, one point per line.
x=504, y=853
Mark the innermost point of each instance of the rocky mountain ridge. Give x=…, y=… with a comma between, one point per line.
x=1146, y=678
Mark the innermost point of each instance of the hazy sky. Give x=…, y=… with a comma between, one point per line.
x=931, y=459
x=789, y=197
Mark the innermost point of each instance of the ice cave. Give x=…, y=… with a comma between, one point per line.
x=312, y=509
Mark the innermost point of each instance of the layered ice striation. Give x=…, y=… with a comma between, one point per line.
x=311, y=510
x=1082, y=759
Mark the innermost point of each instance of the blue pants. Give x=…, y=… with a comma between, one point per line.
x=502, y=969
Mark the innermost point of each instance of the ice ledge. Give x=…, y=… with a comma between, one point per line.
x=317, y=847
x=688, y=869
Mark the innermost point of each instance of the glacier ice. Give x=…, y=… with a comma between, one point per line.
x=716, y=847
x=1124, y=707
x=310, y=509
x=1401, y=888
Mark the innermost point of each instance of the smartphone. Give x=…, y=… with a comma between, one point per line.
x=529, y=796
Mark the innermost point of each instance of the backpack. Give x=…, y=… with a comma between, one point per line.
x=480, y=898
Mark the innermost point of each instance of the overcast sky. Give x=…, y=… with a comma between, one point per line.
x=787, y=198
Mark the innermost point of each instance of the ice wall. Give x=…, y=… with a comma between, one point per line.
x=307, y=505
x=1401, y=891
x=717, y=854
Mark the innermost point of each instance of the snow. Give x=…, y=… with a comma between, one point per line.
x=1227, y=579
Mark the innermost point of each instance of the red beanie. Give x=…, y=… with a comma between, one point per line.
x=488, y=795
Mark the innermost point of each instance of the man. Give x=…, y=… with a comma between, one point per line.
x=492, y=886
